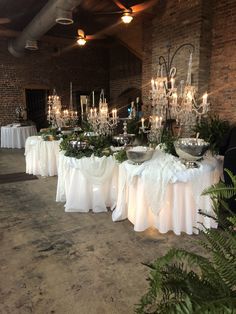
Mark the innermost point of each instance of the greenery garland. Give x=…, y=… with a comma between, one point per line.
x=49, y=134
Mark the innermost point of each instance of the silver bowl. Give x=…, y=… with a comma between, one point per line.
x=79, y=144
x=124, y=139
x=138, y=156
x=190, y=150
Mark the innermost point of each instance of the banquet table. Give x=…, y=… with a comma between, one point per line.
x=15, y=136
x=87, y=183
x=41, y=156
x=164, y=194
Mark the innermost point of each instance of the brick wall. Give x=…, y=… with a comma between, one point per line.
x=211, y=27
x=86, y=68
x=125, y=75
x=223, y=60
x=175, y=23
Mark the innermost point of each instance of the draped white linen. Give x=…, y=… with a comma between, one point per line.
x=162, y=193
x=41, y=156
x=15, y=136
x=87, y=183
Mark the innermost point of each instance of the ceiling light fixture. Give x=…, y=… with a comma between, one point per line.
x=127, y=17
x=81, y=38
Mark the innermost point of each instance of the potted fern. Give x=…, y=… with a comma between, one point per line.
x=185, y=282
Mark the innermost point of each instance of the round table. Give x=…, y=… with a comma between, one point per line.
x=160, y=194
x=87, y=183
x=41, y=156
x=15, y=136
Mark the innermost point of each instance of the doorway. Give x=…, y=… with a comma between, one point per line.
x=36, y=106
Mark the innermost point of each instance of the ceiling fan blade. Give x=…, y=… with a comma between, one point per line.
x=108, y=12
x=4, y=20
x=143, y=6
x=103, y=32
x=119, y=4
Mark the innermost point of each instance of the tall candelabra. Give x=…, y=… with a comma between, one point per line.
x=174, y=101
x=100, y=119
x=54, y=110
x=57, y=117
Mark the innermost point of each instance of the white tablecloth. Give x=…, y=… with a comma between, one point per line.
x=87, y=183
x=15, y=137
x=167, y=196
x=41, y=156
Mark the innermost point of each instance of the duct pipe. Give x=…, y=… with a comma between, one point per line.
x=41, y=24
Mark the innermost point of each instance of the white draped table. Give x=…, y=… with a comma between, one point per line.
x=15, y=136
x=41, y=156
x=162, y=193
x=87, y=183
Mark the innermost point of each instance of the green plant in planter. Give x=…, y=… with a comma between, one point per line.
x=185, y=282
x=212, y=129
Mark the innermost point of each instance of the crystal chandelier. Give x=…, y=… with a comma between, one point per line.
x=100, y=119
x=170, y=100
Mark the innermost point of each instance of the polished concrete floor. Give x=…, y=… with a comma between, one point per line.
x=69, y=263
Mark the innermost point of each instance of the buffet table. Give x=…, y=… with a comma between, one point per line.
x=87, y=183
x=164, y=194
x=41, y=156
x=14, y=136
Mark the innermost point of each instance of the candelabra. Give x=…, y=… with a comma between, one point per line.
x=153, y=129
x=100, y=120
x=54, y=110
x=58, y=118
x=171, y=100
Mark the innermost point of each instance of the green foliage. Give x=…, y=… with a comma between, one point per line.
x=121, y=156
x=97, y=145
x=167, y=143
x=212, y=129
x=185, y=282
x=65, y=143
x=49, y=133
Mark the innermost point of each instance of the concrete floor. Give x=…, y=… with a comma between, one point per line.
x=69, y=263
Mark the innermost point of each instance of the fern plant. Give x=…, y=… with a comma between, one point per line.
x=185, y=282
x=212, y=129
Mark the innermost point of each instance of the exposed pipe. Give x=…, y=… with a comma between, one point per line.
x=41, y=23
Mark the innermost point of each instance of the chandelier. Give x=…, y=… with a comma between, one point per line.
x=99, y=118
x=174, y=101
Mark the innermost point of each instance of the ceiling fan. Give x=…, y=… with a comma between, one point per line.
x=127, y=13
x=82, y=38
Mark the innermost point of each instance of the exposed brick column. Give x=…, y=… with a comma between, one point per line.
x=223, y=60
